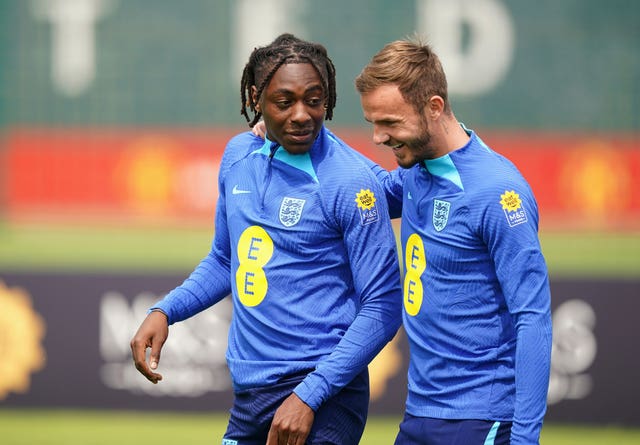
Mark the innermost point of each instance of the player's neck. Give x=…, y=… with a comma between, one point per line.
x=451, y=134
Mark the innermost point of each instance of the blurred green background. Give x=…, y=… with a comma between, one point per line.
x=101, y=72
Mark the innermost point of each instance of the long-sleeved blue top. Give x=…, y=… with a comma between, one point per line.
x=305, y=247
x=476, y=290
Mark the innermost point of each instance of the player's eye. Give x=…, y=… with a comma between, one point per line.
x=314, y=101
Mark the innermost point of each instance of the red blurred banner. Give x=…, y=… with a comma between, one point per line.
x=169, y=176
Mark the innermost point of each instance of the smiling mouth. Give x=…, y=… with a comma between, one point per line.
x=301, y=133
x=396, y=146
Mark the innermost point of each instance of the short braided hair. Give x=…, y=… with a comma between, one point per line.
x=265, y=61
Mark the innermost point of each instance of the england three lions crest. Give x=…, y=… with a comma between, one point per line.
x=440, y=214
x=291, y=211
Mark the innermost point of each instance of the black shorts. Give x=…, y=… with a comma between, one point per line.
x=338, y=421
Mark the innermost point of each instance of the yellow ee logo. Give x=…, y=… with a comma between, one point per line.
x=255, y=249
x=415, y=262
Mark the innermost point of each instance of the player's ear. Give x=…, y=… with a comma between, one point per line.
x=435, y=106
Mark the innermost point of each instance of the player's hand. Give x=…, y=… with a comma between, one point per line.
x=260, y=129
x=291, y=423
x=152, y=333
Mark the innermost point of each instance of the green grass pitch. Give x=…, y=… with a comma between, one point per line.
x=62, y=427
x=131, y=249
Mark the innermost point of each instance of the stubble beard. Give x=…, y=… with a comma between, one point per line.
x=419, y=149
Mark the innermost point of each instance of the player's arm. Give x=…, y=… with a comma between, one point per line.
x=512, y=239
x=206, y=285
x=373, y=257
x=210, y=281
x=391, y=182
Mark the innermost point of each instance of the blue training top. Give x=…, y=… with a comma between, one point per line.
x=305, y=246
x=476, y=291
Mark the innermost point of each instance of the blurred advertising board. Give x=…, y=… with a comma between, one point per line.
x=66, y=340
x=170, y=176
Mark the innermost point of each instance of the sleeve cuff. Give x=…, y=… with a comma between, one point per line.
x=312, y=390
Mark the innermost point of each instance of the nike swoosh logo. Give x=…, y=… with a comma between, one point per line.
x=237, y=191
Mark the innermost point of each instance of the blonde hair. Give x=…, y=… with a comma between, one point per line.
x=412, y=66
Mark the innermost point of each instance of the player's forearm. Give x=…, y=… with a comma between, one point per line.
x=391, y=182
x=372, y=329
x=533, y=358
x=209, y=283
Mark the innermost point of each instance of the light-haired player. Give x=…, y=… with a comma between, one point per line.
x=476, y=289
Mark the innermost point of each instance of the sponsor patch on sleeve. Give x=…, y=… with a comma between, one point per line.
x=366, y=201
x=512, y=208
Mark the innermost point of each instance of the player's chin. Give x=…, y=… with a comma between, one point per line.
x=299, y=145
x=405, y=160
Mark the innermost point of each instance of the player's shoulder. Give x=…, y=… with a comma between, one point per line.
x=239, y=146
x=502, y=193
x=244, y=142
x=344, y=161
x=491, y=186
x=346, y=176
x=487, y=169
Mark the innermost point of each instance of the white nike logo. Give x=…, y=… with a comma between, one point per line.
x=237, y=191
x=409, y=195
